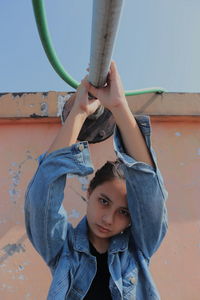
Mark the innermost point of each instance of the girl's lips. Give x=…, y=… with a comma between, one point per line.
x=103, y=229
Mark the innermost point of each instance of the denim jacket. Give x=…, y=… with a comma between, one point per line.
x=66, y=249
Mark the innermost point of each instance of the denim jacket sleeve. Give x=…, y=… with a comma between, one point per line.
x=45, y=216
x=146, y=194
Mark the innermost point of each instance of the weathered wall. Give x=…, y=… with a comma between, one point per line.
x=176, y=139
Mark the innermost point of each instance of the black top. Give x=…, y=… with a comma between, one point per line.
x=99, y=288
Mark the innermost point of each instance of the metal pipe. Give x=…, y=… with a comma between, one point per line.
x=40, y=17
x=105, y=21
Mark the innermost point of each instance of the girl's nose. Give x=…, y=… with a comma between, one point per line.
x=107, y=219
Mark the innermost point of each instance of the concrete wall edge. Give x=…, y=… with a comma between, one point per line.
x=49, y=104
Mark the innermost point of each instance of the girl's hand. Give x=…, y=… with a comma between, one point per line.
x=112, y=95
x=82, y=104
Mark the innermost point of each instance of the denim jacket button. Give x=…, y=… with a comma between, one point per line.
x=81, y=147
x=133, y=280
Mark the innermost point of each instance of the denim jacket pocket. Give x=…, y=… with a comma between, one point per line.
x=62, y=285
x=129, y=285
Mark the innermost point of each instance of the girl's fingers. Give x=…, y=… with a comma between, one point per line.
x=85, y=84
x=113, y=66
x=113, y=70
x=96, y=102
x=91, y=89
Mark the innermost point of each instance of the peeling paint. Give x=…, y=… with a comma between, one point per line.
x=198, y=151
x=178, y=133
x=7, y=287
x=15, y=172
x=84, y=182
x=3, y=94
x=19, y=95
x=44, y=109
x=21, y=277
x=61, y=102
x=74, y=214
x=20, y=268
x=11, y=249
x=45, y=94
x=36, y=116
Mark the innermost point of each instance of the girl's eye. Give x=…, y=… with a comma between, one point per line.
x=103, y=201
x=124, y=213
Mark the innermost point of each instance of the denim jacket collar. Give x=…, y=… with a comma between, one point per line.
x=81, y=242
x=119, y=243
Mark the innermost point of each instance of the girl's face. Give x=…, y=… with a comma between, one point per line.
x=107, y=210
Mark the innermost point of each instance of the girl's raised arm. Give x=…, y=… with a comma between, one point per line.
x=45, y=217
x=112, y=97
x=81, y=109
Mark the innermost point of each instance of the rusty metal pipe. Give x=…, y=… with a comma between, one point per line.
x=105, y=21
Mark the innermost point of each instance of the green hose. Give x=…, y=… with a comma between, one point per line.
x=40, y=17
x=41, y=21
x=145, y=91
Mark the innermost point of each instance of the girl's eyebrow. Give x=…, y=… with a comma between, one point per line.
x=108, y=199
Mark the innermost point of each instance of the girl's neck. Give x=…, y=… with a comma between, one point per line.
x=101, y=245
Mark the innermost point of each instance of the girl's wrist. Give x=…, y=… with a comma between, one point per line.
x=121, y=106
x=122, y=113
x=78, y=112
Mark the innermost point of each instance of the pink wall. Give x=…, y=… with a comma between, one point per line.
x=176, y=265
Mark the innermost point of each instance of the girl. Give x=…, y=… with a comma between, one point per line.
x=107, y=255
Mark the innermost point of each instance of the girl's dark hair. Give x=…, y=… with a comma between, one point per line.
x=111, y=170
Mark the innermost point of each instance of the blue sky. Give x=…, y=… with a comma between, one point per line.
x=158, y=44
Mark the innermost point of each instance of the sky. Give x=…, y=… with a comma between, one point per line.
x=157, y=45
